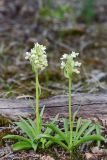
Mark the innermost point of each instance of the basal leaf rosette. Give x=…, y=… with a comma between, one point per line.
x=69, y=65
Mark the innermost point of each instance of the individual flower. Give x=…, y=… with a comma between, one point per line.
x=69, y=65
x=74, y=54
x=64, y=56
x=37, y=57
x=77, y=64
x=62, y=65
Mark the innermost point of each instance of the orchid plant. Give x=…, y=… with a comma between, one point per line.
x=34, y=136
x=70, y=66
x=32, y=139
x=68, y=138
x=38, y=59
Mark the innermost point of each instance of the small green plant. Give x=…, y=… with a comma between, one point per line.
x=85, y=131
x=31, y=139
x=8, y=88
x=32, y=130
x=69, y=139
x=56, y=11
x=88, y=10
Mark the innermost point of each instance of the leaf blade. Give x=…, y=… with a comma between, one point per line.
x=88, y=138
x=22, y=145
x=58, y=131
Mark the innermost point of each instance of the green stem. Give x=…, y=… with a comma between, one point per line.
x=37, y=100
x=70, y=110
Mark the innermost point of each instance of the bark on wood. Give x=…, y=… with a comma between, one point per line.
x=89, y=105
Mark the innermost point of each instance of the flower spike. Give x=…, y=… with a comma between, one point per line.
x=37, y=57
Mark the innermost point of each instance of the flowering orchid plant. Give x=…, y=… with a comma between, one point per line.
x=34, y=136
x=70, y=66
x=32, y=131
x=68, y=138
x=38, y=59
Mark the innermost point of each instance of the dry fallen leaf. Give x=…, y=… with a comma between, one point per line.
x=96, y=150
x=47, y=158
x=90, y=156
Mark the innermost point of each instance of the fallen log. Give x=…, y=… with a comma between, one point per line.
x=89, y=106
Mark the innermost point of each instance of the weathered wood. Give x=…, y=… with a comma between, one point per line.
x=90, y=105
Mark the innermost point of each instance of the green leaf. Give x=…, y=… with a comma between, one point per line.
x=22, y=139
x=77, y=127
x=57, y=131
x=66, y=129
x=66, y=125
x=42, y=111
x=54, y=140
x=74, y=115
x=17, y=137
x=22, y=145
x=98, y=131
x=40, y=118
x=90, y=130
x=26, y=128
x=82, y=129
x=48, y=130
x=33, y=125
x=40, y=124
x=87, y=139
x=34, y=146
x=49, y=143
